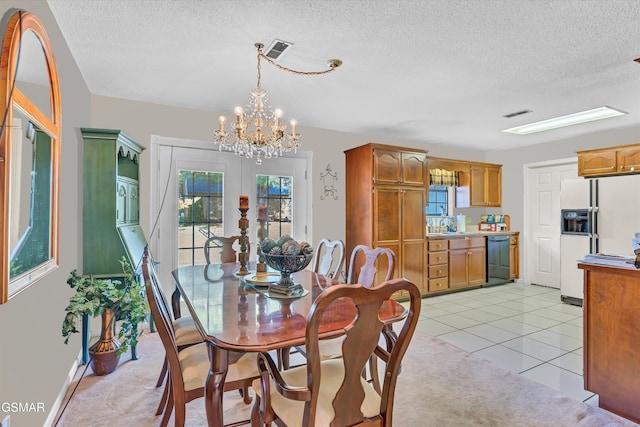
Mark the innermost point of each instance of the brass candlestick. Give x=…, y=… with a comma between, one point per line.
x=243, y=256
x=261, y=266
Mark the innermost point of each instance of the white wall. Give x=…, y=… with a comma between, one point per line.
x=34, y=361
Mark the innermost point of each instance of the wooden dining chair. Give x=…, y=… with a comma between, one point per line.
x=186, y=335
x=366, y=275
x=333, y=392
x=188, y=369
x=329, y=258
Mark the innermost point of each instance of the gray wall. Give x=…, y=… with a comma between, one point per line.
x=34, y=362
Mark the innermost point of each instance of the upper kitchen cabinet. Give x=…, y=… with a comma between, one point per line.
x=482, y=187
x=392, y=166
x=618, y=160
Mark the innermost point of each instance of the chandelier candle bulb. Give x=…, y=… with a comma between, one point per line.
x=244, y=202
x=293, y=124
x=221, y=120
x=239, y=113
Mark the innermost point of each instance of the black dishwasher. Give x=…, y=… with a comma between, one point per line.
x=498, y=268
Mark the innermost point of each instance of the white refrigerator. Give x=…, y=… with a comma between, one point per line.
x=614, y=207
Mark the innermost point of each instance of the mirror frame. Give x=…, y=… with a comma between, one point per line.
x=10, y=97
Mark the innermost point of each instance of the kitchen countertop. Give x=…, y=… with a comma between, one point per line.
x=469, y=234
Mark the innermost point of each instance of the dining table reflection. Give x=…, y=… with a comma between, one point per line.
x=236, y=316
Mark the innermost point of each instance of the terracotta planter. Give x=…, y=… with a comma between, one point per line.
x=104, y=356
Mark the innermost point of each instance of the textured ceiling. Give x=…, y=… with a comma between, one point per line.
x=442, y=72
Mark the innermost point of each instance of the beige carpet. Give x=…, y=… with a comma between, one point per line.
x=440, y=385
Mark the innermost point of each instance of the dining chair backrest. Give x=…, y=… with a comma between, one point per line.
x=361, y=341
x=329, y=259
x=367, y=274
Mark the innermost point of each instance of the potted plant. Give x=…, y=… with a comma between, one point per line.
x=119, y=302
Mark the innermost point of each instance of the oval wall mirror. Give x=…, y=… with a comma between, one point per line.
x=29, y=155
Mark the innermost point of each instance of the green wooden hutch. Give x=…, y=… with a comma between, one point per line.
x=110, y=206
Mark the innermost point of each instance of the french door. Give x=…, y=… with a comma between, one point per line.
x=195, y=195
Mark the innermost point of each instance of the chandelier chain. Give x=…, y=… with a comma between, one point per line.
x=303, y=73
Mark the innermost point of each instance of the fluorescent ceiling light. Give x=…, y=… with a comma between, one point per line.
x=568, y=120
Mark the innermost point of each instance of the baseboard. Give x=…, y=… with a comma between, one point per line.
x=57, y=404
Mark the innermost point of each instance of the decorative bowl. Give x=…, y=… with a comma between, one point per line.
x=287, y=264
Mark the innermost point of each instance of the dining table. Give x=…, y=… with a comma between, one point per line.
x=237, y=314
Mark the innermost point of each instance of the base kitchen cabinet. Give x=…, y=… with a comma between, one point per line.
x=467, y=262
x=612, y=338
x=438, y=266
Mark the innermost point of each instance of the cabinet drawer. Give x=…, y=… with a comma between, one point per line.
x=467, y=242
x=438, y=270
x=438, y=258
x=440, y=284
x=438, y=245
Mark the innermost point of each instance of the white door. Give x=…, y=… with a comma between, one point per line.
x=542, y=220
x=238, y=175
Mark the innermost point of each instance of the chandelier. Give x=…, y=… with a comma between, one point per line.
x=258, y=130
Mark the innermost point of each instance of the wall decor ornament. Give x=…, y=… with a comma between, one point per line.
x=329, y=178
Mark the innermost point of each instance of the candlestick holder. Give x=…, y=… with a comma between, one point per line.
x=243, y=256
x=261, y=266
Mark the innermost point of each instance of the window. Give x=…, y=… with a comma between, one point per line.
x=438, y=201
x=200, y=213
x=275, y=192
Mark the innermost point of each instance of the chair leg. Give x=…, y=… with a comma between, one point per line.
x=283, y=356
x=169, y=408
x=256, y=419
x=163, y=400
x=163, y=372
x=244, y=392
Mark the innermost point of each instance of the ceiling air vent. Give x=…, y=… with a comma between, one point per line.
x=277, y=48
x=517, y=113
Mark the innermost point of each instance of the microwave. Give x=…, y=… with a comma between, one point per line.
x=576, y=221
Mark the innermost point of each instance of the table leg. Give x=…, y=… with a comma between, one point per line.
x=214, y=387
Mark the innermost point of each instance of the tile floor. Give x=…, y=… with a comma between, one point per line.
x=523, y=328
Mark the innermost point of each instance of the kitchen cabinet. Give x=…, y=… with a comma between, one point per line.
x=514, y=256
x=438, y=253
x=399, y=167
x=481, y=187
x=386, y=192
x=467, y=262
x=617, y=160
x=612, y=338
x=110, y=198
